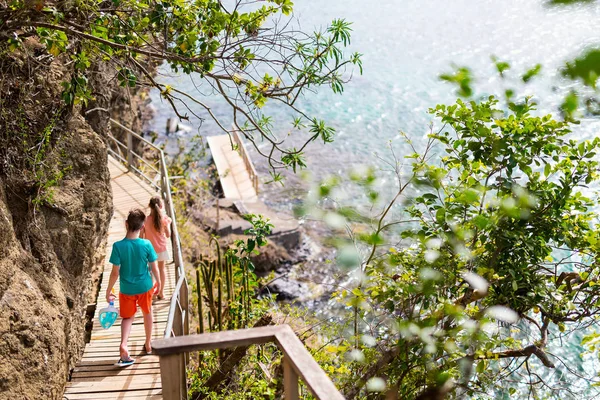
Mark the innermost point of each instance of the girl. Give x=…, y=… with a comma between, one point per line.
x=157, y=230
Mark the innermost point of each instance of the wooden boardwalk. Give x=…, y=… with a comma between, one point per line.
x=233, y=173
x=96, y=376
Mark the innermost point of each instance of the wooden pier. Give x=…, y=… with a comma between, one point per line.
x=236, y=172
x=240, y=184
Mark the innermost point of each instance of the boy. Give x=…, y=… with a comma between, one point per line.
x=130, y=258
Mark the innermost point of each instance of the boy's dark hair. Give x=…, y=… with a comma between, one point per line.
x=135, y=219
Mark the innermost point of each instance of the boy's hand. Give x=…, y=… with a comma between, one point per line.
x=110, y=297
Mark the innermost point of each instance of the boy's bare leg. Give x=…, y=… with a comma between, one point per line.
x=126, y=324
x=161, y=271
x=148, y=320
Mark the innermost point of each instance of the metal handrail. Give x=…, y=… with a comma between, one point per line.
x=179, y=300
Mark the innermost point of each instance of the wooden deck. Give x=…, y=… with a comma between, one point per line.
x=96, y=376
x=233, y=174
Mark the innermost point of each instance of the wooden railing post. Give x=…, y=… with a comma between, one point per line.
x=172, y=375
x=129, y=150
x=290, y=381
x=178, y=325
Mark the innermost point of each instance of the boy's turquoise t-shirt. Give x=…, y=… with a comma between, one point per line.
x=133, y=256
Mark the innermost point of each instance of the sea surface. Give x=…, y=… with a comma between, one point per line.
x=406, y=45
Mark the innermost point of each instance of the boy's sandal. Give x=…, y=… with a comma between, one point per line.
x=125, y=363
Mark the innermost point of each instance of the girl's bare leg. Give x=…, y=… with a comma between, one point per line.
x=161, y=271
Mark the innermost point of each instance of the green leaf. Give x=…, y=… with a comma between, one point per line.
x=372, y=239
x=501, y=66
x=570, y=104
x=480, y=367
x=481, y=222
x=462, y=78
x=251, y=245
x=440, y=215
x=531, y=73
x=586, y=68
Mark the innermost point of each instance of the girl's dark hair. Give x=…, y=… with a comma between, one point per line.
x=155, y=204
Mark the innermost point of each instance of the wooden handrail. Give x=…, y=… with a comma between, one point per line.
x=297, y=361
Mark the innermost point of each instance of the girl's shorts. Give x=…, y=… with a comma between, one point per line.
x=163, y=256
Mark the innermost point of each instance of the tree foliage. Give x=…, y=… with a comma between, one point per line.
x=246, y=53
x=477, y=262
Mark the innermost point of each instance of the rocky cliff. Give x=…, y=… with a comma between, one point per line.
x=55, y=206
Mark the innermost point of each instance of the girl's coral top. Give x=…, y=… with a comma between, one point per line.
x=158, y=239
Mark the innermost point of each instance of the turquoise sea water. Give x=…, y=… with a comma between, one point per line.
x=406, y=45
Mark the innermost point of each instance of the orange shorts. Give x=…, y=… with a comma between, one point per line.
x=128, y=303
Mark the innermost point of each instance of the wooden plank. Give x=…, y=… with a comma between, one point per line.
x=135, y=336
x=113, y=352
x=110, y=362
x=87, y=375
x=108, y=348
x=136, y=331
x=99, y=387
x=138, y=321
x=158, y=315
x=136, y=328
x=115, y=357
x=115, y=380
x=152, y=394
x=115, y=340
x=105, y=366
x=157, y=312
